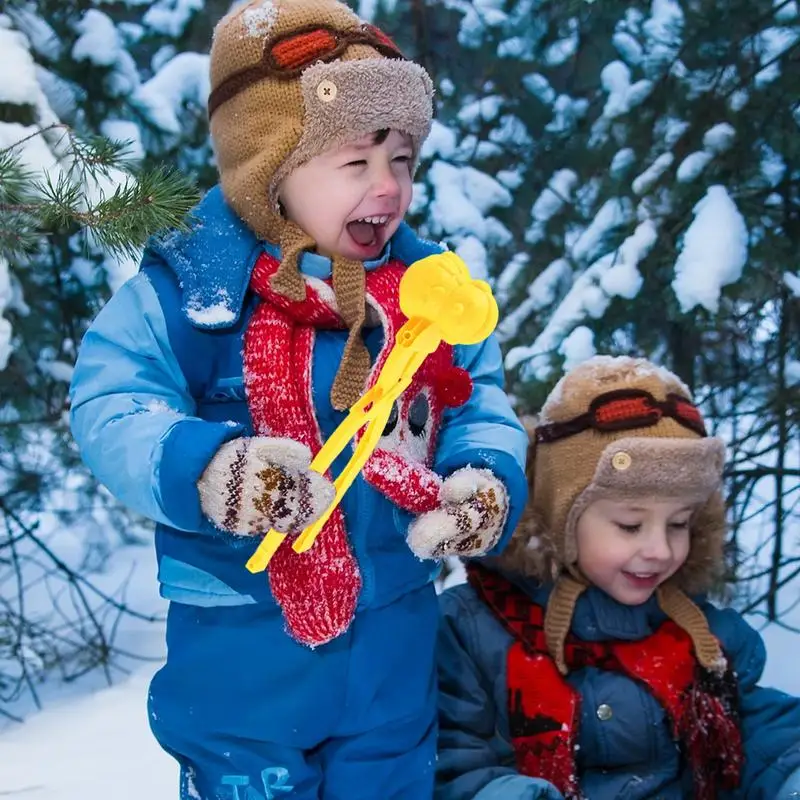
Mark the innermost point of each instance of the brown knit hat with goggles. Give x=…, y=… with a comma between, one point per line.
x=620, y=428
x=291, y=79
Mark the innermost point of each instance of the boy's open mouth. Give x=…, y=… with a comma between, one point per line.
x=367, y=231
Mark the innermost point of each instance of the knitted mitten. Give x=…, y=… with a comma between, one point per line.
x=469, y=521
x=254, y=484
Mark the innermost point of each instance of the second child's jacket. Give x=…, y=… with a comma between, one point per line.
x=625, y=748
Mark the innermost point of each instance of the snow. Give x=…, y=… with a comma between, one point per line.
x=462, y=196
x=670, y=129
x=615, y=212
x=517, y=47
x=57, y=370
x=566, y=112
x=477, y=18
x=170, y=17
x=43, y=39
x=693, y=165
x=259, y=19
x=484, y=109
x=623, y=160
x=550, y=202
x=713, y=252
x=96, y=746
x=512, y=132
x=577, y=347
x=17, y=61
x=773, y=167
x=541, y=293
x=367, y=9
x=614, y=274
x=515, y=267
x=650, y=176
x=34, y=150
x=217, y=314
x=719, y=138
x=123, y=130
x=450, y=210
x=473, y=252
x=539, y=87
x=562, y=50
x=440, y=142
x=483, y=191
x=786, y=11
x=664, y=31
x=793, y=282
x=184, y=79
x=99, y=41
x=628, y=47
x=772, y=44
x=446, y=87
x=622, y=95
x=510, y=178
x=716, y=140
x=120, y=268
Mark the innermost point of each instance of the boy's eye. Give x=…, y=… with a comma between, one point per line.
x=358, y=163
x=403, y=158
x=679, y=526
x=629, y=528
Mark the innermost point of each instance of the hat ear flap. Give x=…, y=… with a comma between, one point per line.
x=531, y=550
x=704, y=567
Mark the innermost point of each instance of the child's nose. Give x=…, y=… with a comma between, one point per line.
x=385, y=183
x=656, y=546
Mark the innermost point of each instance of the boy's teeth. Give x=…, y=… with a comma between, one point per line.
x=375, y=220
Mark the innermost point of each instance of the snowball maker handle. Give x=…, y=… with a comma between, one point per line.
x=442, y=302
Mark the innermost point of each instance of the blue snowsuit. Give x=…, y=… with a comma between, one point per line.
x=626, y=751
x=248, y=711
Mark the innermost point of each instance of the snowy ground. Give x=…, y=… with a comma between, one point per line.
x=97, y=745
x=89, y=748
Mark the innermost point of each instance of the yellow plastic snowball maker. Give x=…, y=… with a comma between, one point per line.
x=441, y=301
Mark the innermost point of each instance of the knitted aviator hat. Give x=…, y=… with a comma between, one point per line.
x=621, y=428
x=291, y=79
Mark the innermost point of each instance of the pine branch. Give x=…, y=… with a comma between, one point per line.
x=142, y=204
x=96, y=155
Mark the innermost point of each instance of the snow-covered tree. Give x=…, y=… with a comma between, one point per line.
x=628, y=175
x=79, y=195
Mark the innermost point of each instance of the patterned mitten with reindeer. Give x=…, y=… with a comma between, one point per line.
x=469, y=520
x=257, y=483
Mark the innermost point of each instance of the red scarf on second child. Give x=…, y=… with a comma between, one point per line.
x=544, y=709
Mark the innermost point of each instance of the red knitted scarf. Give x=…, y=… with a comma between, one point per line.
x=544, y=710
x=318, y=590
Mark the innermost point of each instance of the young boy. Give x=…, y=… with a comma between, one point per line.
x=576, y=665
x=210, y=379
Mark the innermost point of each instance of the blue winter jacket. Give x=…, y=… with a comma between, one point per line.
x=627, y=756
x=158, y=387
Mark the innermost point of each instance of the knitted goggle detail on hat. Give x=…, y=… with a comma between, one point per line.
x=287, y=55
x=623, y=410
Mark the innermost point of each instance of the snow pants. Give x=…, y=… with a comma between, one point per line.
x=250, y=714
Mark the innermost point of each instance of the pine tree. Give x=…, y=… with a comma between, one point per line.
x=77, y=202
